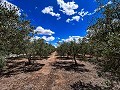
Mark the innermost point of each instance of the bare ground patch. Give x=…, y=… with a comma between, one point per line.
x=56, y=74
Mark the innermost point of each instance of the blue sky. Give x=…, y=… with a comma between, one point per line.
x=58, y=20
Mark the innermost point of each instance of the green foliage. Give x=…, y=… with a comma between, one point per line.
x=42, y=48
x=63, y=49
x=104, y=38
x=71, y=48
x=2, y=61
x=14, y=29
x=15, y=35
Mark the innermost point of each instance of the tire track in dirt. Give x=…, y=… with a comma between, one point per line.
x=48, y=71
x=52, y=78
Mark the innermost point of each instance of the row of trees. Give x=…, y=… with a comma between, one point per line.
x=68, y=49
x=102, y=40
x=104, y=37
x=73, y=49
x=38, y=48
x=15, y=36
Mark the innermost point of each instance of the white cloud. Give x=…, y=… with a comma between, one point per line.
x=98, y=9
x=49, y=10
x=40, y=30
x=51, y=38
x=36, y=7
x=10, y=6
x=110, y=2
x=34, y=38
x=47, y=39
x=58, y=38
x=76, y=18
x=55, y=46
x=68, y=8
x=68, y=20
x=72, y=38
x=82, y=13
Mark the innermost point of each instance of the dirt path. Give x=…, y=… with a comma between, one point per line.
x=56, y=74
x=43, y=79
x=48, y=72
x=46, y=69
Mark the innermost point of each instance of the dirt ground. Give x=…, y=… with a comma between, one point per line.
x=54, y=74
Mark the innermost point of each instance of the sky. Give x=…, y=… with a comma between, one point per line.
x=58, y=20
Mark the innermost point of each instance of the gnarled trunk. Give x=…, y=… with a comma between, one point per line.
x=29, y=59
x=75, y=59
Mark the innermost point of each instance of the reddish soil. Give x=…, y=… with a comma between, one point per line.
x=56, y=74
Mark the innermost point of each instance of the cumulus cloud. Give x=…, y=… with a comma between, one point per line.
x=40, y=30
x=58, y=38
x=10, y=6
x=80, y=15
x=68, y=8
x=34, y=38
x=76, y=18
x=47, y=39
x=51, y=38
x=83, y=13
x=72, y=38
x=49, y=10
x=98, y=9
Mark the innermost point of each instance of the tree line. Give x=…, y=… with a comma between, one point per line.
x=15, y=36
x=102, y=40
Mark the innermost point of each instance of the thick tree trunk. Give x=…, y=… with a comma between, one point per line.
x=83, y=56
x=0, y=70
x=97, y=58
x=75, y=59
x=29, y=59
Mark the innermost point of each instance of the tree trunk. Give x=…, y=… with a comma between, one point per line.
x=0, y=70
x=97, y=58
x=29, y=59
x=75, y=59
x=83, y=56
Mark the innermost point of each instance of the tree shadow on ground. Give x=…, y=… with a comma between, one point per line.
x=64, y=58
x=39, y=58
x=85, y=86
x=32, y=58
x=69, y=66
x=14, y=68
x=14, y=58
